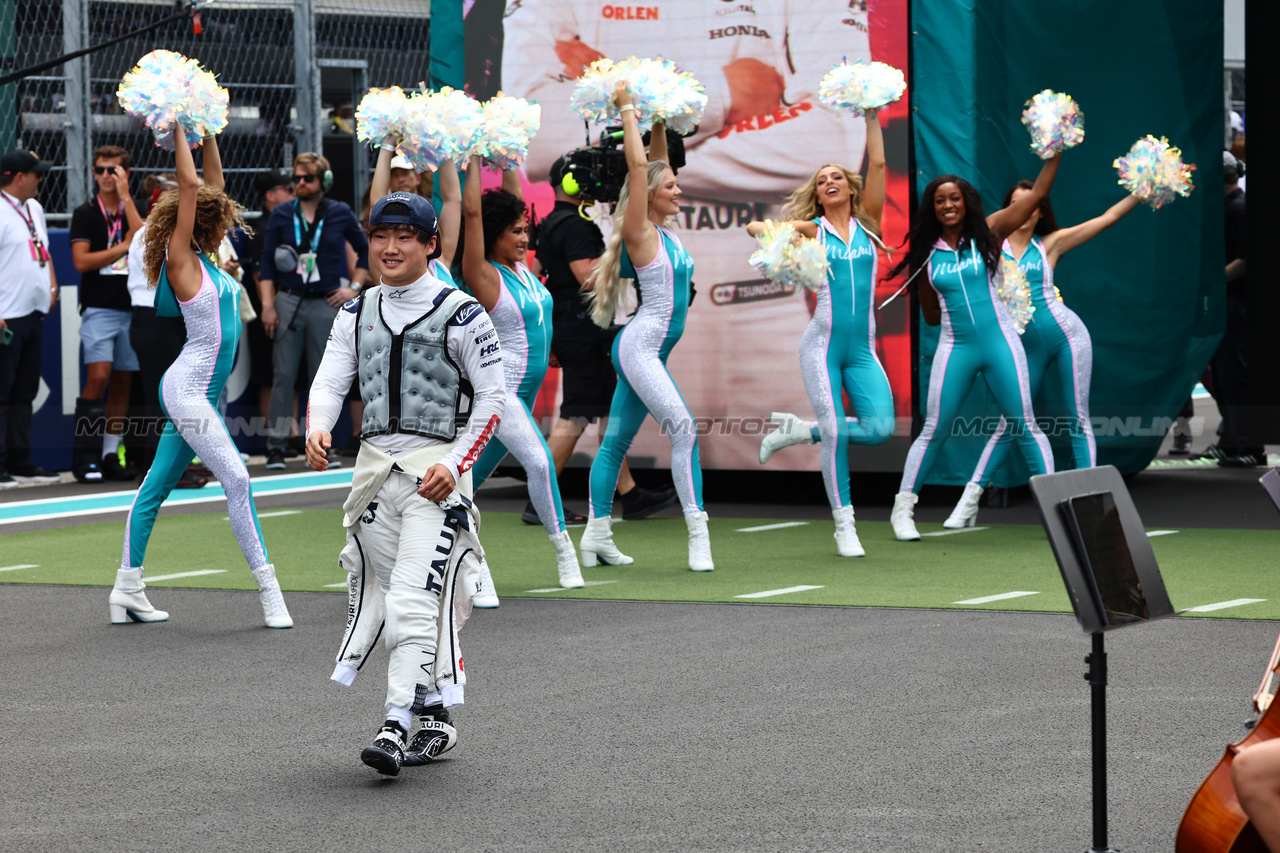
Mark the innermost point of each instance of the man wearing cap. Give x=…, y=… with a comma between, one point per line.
x=303, y=282
x=426, y=359
x=403, y=178
x=102, y=230
x=1229, y=367
x=28, y=291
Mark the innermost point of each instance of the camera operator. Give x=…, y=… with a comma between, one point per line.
x=568, y=247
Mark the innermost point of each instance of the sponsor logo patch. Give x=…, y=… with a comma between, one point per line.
x=466, y=314
x=738, y=292
x=630, y=13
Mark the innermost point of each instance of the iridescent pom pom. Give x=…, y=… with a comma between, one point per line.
x=381, y=114
x=860, y=87
x=658, y=91
x=788, y=258
x=509, y=125
x=1014, y=291
x=1154, y=172
x=167, y=87
x=1055, y=122
x=460, y=119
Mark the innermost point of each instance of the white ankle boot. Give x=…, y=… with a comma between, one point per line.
x=597, y=545
x=486, y=598
x=567, y=561
x=846, y=535
x=699, y=543
x=129, y=602
x=791, y=430
x=966, y=512
x=904, y=526
x=273, y=609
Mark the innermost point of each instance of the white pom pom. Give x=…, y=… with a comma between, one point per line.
x=788, y=258
x=860, y=87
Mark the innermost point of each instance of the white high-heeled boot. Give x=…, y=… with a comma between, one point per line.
x=567, y=561
x=904, y=525
x=846, y=534
x=597, y=545
x=274, y=611
x=129, y=602
x=791, y=430
x=966, y=512
x=486, y=597
x=699, y=543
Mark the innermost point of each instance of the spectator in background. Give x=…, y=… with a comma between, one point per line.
x=101, y=231
x=274, y=189
x=303, y=281
x=28, y=292
x=1229, y=368
x=568, y=248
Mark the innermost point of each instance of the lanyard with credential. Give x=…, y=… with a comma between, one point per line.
x=115, y=224
x=38, y=251
x=313, y=230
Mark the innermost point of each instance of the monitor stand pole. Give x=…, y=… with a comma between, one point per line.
x=1097, y=678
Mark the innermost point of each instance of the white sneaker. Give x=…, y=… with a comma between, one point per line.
x=699, y=543
x=129, y=602
x=846, y=534
x=966, y=512
x=274, y=611
x=567, y=561
x=791, y=430
x=486, y=597
x=597, y=545
x=904, y=526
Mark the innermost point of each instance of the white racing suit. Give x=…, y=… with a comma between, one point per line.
x=414, y=567
x=741, y=333
x=413, y=563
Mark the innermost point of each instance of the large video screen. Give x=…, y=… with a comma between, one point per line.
x=763, y=135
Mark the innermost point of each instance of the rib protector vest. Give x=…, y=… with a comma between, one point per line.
x=407, y=381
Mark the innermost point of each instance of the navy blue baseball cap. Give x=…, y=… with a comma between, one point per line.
x=421, y=215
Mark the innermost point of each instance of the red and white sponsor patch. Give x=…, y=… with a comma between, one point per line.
x=476, y=449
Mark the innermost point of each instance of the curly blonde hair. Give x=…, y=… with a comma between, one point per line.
x=804, y=204
x=216, y=213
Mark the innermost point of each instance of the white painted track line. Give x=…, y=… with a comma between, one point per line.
x=1001, y=597
x=19, y=567
x=1151, y=533
x=184, y=575
x=271, y=514
x=770, y=592
x=567, y=589
x=950, y=532
x=772, y=526
x=1223, y=605
x=343, y=585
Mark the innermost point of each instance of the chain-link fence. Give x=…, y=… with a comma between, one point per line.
x=295, y=70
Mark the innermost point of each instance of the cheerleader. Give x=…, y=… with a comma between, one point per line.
x=1055, y=340
x=643, y=248
x=184, y=230
x=959, y=249
x=493, y=253
x=450, y=218
x=838, y=350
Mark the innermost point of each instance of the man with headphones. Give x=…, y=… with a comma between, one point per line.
x=568, y=248
x=303, y=282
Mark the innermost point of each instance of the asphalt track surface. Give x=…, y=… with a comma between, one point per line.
x=620, y=726
x=608, y=726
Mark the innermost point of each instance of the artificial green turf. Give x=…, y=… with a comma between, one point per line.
x=1199, y=566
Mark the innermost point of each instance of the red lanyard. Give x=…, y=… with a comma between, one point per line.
x=115, y=224
x=38, y=251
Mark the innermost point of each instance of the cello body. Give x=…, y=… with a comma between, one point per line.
x=1214, y=821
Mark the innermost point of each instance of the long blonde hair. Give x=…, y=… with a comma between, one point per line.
x=607, y=289
x=216, y=213
x=804, y=204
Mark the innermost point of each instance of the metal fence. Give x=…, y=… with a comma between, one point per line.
x=295, y=70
